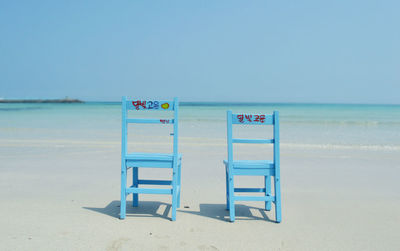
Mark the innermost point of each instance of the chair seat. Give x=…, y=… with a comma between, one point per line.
x=259, y=164
x=152, y=157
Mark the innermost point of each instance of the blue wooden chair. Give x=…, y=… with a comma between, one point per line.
x=152, y=160
x=265, y=168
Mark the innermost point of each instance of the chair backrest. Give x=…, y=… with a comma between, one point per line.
x=253, y=119
x=149, y=105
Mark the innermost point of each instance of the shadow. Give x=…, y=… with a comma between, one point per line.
x=219, y=212
x=145, y=209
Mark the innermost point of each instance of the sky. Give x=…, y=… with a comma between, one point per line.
x=311, y=51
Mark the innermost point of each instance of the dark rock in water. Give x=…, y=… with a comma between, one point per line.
x=65, y=100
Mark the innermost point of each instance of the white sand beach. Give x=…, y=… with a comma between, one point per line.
x=63, y=194
x=330, y=68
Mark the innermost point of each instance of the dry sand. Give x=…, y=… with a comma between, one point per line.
x=64, y=195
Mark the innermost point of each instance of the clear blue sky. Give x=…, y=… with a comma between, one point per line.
x=338, y=51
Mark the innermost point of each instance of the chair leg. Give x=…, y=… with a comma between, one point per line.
x=174, y=194
x=174, y=204
x=277, y=185
x=227, y=188
x=231, y=200
x=180, y=186
x=123, y=192
x=135, y=181
x=267, y=183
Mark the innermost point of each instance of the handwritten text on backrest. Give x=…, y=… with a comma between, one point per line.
x=149, y=105
x=260, y=119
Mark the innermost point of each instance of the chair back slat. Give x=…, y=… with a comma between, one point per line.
x=252, y=119
x=253, y=141
x=150, y=105
x=150, y=121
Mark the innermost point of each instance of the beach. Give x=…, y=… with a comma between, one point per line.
x=60, y=181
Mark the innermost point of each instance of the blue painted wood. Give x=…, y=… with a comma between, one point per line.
x=230, y=168
x=227, y=188
x=150, y=121
x=176, y=165
x=277, y=177
x=267, y=185
x=148, y=190
x=155, y=182
x=138, y=160
x=135, y=181
x=179, y=185
x=151, y=160
x=147, y=163
x=250, y=190
x=152, y=156
x=253, y=171
x=253, y=141
x=266, y=168
x=123, y=161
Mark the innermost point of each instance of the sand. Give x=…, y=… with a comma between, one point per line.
x=63, y=194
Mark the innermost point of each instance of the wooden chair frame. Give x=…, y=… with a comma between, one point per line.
x=156, y=160
x=264, y=168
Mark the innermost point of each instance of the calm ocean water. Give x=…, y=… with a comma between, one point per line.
x=302, y=125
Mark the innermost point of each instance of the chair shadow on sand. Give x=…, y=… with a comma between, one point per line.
x=219, y=212
x=161, y=210
x=145, y=209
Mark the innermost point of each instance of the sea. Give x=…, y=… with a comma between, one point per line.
x=303, y=126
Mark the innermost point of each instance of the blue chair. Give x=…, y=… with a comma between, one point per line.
x=152, y=160
x=265, y=168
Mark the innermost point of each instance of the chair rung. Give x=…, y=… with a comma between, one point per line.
x=253, y=171
x=254, y=198
x=148, y=190
x=253, y=141
x=155, y=182
x=250, y=190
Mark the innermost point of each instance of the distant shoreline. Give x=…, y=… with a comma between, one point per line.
x=209, y=103
x=196, y=103
x=65, y=100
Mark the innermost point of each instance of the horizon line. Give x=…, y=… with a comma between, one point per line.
x=216, y=103
x=223, y=103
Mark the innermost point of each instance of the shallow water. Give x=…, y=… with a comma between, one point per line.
x=375, y=127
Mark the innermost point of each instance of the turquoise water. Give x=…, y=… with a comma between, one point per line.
x=302, y=125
